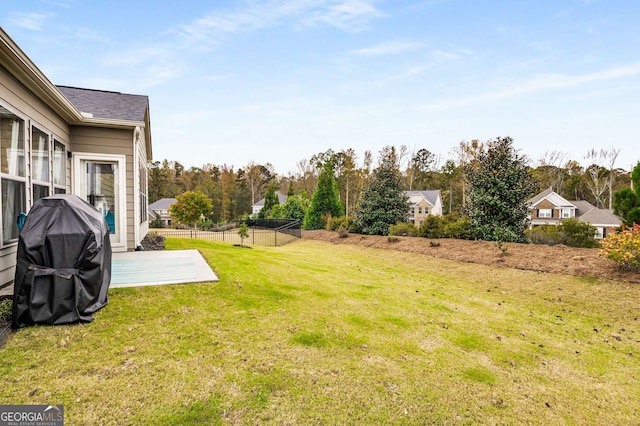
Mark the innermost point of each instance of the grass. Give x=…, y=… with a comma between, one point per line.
x=323, y=334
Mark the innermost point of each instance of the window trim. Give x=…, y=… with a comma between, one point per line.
x=24, y=180
x=544, y=216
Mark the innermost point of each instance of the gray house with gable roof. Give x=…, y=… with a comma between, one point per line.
x=59, y=139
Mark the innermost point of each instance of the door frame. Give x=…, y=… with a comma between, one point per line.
x=121, y=176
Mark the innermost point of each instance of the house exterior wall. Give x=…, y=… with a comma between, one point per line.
x=545, y=204
x=421, y=211
x=21, y=102
x=97, y=140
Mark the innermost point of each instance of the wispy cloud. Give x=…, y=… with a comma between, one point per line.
x=538, y=84
x=30, y=21
x=344, y=14
x=390, y=48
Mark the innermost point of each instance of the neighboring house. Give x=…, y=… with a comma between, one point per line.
x=260, y=204
x=423, y=204
x=160, y=209
x=549, y=208
x=58, y=139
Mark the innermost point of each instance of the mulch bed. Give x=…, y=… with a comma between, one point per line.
x=557, y=259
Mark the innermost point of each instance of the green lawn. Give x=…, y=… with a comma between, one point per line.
x=314, y=333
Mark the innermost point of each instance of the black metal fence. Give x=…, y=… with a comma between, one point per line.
x=262, y=232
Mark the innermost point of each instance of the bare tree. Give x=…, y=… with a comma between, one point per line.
x=552, y=162
x=610, y=157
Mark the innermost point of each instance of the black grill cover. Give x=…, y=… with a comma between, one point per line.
x=63, y=270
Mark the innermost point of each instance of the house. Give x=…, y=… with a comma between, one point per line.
x=59, y=139
x=549, y=208
x=423, y=204
x=160, y=209
x=255, y=208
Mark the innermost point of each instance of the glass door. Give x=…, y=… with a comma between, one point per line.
x=100, y=187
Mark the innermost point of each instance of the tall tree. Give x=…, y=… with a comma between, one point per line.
x=499, y=187
x=626, y=202
x=383, y=202
x=324, y=201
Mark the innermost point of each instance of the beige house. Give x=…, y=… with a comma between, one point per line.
x=549, y=208
x=56, y=139
x=423, y=204
x=160, y=210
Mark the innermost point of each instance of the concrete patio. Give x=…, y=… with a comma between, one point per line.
x=143, y=268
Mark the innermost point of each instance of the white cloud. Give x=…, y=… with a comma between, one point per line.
x=29, y=21
x=344, y=14
x=537, y=84
x=390, y=48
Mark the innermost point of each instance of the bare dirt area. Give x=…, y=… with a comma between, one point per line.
x=558, y=259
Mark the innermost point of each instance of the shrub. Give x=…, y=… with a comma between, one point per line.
x=459, y=228
x=432, y=227
x=623, y=248
x=451, y=225
x=578, y=234
x=6, y=309
x=571, y=232
x=545, y=234
x=404, y=229
x=342, y=231
x=392, y=239
x=333, y=223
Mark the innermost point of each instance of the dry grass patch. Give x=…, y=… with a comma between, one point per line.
x=316, y=333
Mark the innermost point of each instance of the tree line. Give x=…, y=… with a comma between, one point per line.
x=234, y=191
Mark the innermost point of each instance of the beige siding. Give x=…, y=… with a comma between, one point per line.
x=24, y=104
x=115, y=142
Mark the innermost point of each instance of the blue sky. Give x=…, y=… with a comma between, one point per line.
x=278, y=81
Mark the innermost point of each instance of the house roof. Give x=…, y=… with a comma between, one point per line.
x=281, y=199
x=416, y=196
x=553, y=198
x=105, y=104
x=162, y=204
x=589, y=213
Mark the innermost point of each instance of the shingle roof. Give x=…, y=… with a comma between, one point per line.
x=589, y=213
x=430, y=195
x=104, y=104
x=162, y=204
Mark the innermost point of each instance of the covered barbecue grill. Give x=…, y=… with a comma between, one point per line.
x=63, y=266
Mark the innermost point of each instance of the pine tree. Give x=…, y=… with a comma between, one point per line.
x=499, y=186
x=626, y=202
x=325, y=201
x=383, y=202
x=270, y=199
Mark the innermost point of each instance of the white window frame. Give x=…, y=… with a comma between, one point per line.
x=24, y=180
x=78, y=183
x=41, y=157
x=63, y=184
x=565, y=213
x=542, y=213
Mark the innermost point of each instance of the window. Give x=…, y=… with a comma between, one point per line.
x=566, y=213
x=142, y=170
x=12, y=173
x=419, y=210
x=426, y=210
x=544, y=213
x=59, y=168
x=599, y=232
x=39, y=163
